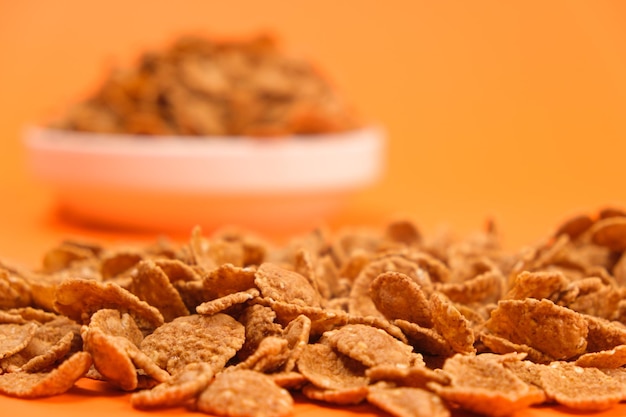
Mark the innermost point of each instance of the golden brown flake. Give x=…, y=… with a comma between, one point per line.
x=360, y=301
x=270, y=355
x=343, y=396
x=15, y=291
x=425, y=340
x=195, y=338
x=224, y=303
x=537, y=284
x=15, y=337
x=415, y=376
x=117, y=263
x=614, y=358
x=245, y=394
x=58, y=381
x=609, y=232
x=290, y=380
x=407, y=402
x=397, y=296
x=485, y=387
x=604, y=334
x=503, y=346
x=325, y=368
x=259, y=323
x=586, y=389
x=227, y=279
x=451, y=324
x=483, y=288
x=575, y=226
x=322, y=319
x=553, y=330
x=282, y=285
x=153, y=286
x=51, y=342
x=80, y=298
x=63, y=256
x=297, y=334
x=176, y=390
x=114, y=323
x=366, y=344
x=111, y=358
x=33, y=314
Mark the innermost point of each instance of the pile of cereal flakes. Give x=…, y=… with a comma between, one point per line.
x=201, y=86
x=233, y=325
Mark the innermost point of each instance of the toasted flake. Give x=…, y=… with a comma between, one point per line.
x=403, y=231
x=327, y=369
x=33, y=314
x=538, y=284
x=354, y=264
x=452, y=325
x=280, y=284
x=37, y=385
x=223, y=303
x=113, y=339
x=370, y=346
x=503, y=346
x=425, y=340
x=415, y=376
x=15, y=337
x=15, y=291
x=604, y=334
x=485, y=387
x=322, y=319
x=259, y=323
x=114, y=323
x=111, y=358
x=613, y=358
x=50, y=344
x=245, y=394
x=270, y=355
x=177, y=270
x=484, y=288
x=575, y=226
x=408, y=402
x=118, y=262
x=227, y=279
x=297, y=334
x=63, y=256
x=176, y=390
x=610, y=233
x=378, y=323
x=553, y=330
x=397, y=296
x=153, y=286
x=288, y=380
x=618, y=374
x=360, y=301
x=80, y=298
x=585, y=389
x=195, y=338
x=343, y=396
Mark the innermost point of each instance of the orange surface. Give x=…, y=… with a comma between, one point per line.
x=510, y=110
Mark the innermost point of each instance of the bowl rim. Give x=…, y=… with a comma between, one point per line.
x=224, y=165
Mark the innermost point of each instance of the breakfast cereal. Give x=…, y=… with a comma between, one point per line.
x=201, y=86
x=413, y=325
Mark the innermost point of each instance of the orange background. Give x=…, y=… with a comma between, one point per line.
x=507, y=109
x=514, y=110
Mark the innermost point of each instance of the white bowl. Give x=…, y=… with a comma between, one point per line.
x=173, y=183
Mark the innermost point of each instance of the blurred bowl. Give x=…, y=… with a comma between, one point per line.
x=173, y=183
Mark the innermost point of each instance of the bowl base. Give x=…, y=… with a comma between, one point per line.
x=271, y=215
